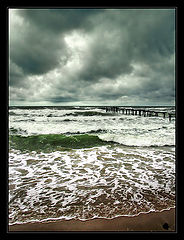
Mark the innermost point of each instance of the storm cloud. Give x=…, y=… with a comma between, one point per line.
x=92, y=56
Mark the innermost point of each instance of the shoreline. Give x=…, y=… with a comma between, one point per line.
x=152, y=221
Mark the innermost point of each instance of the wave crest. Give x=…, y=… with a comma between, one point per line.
x=54, y=142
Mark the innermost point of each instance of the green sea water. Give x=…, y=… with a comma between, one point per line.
x=54, y=142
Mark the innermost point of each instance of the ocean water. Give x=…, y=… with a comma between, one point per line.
x=84, y=162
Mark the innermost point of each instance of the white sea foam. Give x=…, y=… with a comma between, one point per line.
x=123, y=129
x=107, y=181
x=62, y=180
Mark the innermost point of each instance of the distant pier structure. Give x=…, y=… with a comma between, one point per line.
x=140, y=112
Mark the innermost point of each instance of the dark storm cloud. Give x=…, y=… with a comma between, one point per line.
x=38, y=46
x=117, y=42
x=134, y=35
x=62, y=99
x=35, y=51
x=57, y=21
x=15, y=74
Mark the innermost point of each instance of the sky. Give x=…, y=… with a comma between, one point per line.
x=91, y=57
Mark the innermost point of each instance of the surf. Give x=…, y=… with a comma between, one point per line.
x=54, y=142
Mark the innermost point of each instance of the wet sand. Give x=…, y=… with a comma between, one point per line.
x=153, y=221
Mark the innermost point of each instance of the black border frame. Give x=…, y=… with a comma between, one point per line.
x=4, y=11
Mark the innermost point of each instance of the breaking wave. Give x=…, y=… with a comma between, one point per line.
x=54, y=142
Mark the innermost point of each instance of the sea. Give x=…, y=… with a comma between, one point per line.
x=86, y=162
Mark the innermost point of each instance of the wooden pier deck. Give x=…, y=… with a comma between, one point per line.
x=140, y=112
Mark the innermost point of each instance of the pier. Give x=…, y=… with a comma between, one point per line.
x=140, y=112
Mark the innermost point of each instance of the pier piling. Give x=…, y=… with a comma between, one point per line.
x=169, y=117
x=140, y=112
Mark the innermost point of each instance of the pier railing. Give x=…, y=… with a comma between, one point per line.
x=140, y=112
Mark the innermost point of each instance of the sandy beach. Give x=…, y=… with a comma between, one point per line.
x=153, y=221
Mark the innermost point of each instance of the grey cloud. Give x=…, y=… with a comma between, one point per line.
x=146, y=37
x=16, y=74
x=39, y=45
x=36, y=52
x=118, y=39
x=60, y=20
x=106, y=60
x=62, y=99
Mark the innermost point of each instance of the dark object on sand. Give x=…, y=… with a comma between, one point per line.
x=166, y=226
